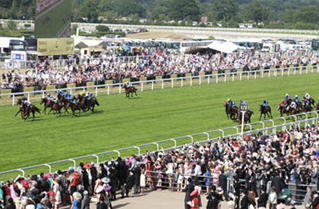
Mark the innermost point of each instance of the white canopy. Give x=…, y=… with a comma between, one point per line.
x=223, y=46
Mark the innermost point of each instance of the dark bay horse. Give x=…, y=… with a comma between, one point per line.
x=231, y=111
x=26, y=110
x=87, y=104
x=247, y=116
x=55, y=106
x=265, y=111
x=74, y=107
x=130, y=90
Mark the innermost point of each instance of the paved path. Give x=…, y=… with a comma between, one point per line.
x=158, y=200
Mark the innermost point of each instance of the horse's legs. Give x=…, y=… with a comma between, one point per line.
x=261, y=115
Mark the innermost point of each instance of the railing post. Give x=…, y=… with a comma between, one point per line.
x=152, y=85
x=248, y=76
x=96, y=91
x=182, y=82
x=255, y=75
x=200, y=80
x=142, y=86
x=108, y=89
x=118, y=152
x=240, y=76
x=22, y=171
x=223, y=132
x=172, y=82
x=157, y=146
x=207, y=135
x=42, y=94
x=120, y=89
x=162, y=84
x=175, y=144
x=13, y=98
x=208, y=79
x=97, y=158
x=138, y=150
x=225, y=78
x=191, y=81
x=282, y=72
x=192, y=138
x=216, y=78
x=74, y=162
x=49, y=166
x=28, y=96
x=262, y=73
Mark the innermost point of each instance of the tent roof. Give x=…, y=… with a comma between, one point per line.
x=81, y=45
x=223, y=46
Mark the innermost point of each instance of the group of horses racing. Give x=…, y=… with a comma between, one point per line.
x=85, y=101
x=288, y=107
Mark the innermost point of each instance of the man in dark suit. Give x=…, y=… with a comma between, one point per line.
x=188, y=189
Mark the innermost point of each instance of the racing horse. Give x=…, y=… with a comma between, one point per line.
x=231, y=112
x=74, y=107
x=86, y=103
x=55, y=106
x=25, y=110
x=265, y=111
x=247, y=116
x=130, y=90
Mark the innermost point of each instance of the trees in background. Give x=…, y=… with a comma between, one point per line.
x=272, y=13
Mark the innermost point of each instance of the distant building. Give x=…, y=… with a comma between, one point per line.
x=204, y=20
x=246, y=25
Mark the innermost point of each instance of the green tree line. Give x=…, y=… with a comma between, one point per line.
x=297, y=14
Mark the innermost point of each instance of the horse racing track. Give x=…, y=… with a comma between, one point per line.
x=121, y=122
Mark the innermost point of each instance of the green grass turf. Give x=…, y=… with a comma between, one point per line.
x=122, y=122
x=50, y=24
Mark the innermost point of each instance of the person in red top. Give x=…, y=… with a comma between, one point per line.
x=195, y=200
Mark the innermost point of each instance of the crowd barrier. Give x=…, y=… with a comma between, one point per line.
x=295, y=195
x=166, y=83
x=179, y=142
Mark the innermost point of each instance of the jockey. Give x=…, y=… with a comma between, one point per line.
x=265, y=103
x=75, y=100
x=67, y=96
x=233, y=104
x=287, y=97
x=26, y=102
x=293, y=105
x=88, y=95
x=307, y=96
x=296, y=99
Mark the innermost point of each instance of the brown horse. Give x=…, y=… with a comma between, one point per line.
x=74, y=107
x=26, y=109
x=87, y=104
x=130, y=90
x=247, y=116
x=231, y=111
x=55, y=106
x=265, y=111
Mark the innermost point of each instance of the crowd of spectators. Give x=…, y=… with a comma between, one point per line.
x=151, y=63
x=236, y=170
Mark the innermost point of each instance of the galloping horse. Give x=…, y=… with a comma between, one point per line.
x=231, y=111
x=130, y=90
x=74, y=107
x=87, y=103
x=265, y=111
x=26, y=109
x=247, y=116
x=55, y=106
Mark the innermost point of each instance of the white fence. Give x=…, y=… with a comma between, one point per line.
x=178, y=142
x=109, y=89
